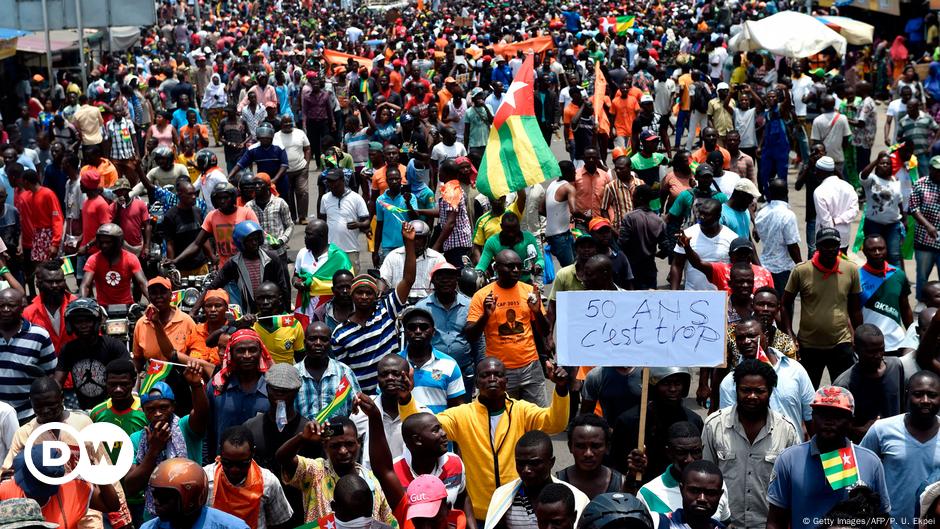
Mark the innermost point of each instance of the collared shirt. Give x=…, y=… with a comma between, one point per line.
x=836, y=206
x=317, y=480
x=169, y=199
x=145, y=336
x=361, y=346
x=121, y=134
x=234, y=406
x=676, y=520
x=275, y=220
x=266, y=159
x=449, y=468
x=662, y=495
x=792, y=396
x=918, y=131
x=253, y=118
x=209, y=519
x=777, y=226
x=24, y=356
x=390, y=425
x=274, y=507
x=925, y=199
x=798, y=483
x=436, y=381
x=746, y=466
x=589, y=190
x=618, y=200
x=449, y=337
x=460, y=236
x=316, y=105
x=393, y=268
x=744, y=166
x=315, y=395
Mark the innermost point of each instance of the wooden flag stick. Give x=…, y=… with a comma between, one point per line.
x=644, y=401
x=273, y=317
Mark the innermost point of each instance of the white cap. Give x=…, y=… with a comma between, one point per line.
x=646, y=98
x=826, y=164
x=748, y=187
x=723, y=86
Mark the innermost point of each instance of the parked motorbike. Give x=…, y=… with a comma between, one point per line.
x=120, y=321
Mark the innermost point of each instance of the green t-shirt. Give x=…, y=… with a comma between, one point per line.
x=130, y=420
x=682, y=206
x=529, y=246
x=477, y=118
x=566, y=280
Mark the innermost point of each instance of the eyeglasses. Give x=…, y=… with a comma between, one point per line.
x=418, y=326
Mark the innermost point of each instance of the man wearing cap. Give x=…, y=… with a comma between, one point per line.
x=647, y=118
x=646, y=161
x=801, y=488
x=830, y=301
x=836, y=201
x=132, y=215
x=427, y=259
x=736, y=212
x=23, y=513
x=925, y=207
x=354, y=341
x=721, y=111
x=95, y=212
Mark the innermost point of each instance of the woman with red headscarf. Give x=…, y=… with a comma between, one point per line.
x=898, y=55
x=239, y=390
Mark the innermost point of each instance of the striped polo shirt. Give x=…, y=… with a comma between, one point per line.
x=449, y=470
x=438, y=380
x=24, y=358
x=360, y=346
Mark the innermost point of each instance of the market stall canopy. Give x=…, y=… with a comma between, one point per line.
x=855, y=32
x=59, y=40
x=123, y=37
x=789, y=34
x=8, y=41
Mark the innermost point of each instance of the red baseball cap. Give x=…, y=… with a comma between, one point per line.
x=834, y=397
x=424, y=497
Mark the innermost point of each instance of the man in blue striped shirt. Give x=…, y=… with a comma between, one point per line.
x=26, y=353
x=438, y=383
x=369, y=333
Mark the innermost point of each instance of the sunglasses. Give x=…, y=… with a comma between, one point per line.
x=418, y=326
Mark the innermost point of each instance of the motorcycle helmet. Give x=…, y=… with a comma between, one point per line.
x=111, y=230
x=243, y=230
x=205, y=160
x=421, y=228
x=264, y=131
x=470, y=280
x=606, y=509
x=186, y=478
x=162, y=153
x=81, y=307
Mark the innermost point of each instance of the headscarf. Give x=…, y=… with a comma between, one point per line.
x=898, y=51
x=266, y=179
x=473, y=170
x=32, y=487
x=932, y=82
x=217, y=293
x=264, y=362
x=215, y=96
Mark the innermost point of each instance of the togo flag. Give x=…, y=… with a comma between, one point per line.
x=318, y=286
x=516, y=154
x=327, y=522
x=840, y=467
x=67, y=267
x=343, y=393
x=620, y=24
x=156, y=371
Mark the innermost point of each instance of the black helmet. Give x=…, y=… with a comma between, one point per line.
x=611, y=507
x=206, y=159
x=222, y=188
x=470, y=280
x=85, y=306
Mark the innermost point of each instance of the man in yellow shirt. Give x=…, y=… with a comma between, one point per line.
x=281, y=333
x=489, y=223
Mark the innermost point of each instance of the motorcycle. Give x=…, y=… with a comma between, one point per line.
x=186, y=290
x=120, y=320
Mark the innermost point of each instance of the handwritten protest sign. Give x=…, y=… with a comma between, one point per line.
x=648, y=328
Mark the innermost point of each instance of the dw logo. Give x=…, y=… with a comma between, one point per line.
x=58, y=453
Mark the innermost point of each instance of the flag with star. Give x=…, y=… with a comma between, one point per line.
x=620, y=23
x=516, y=154
x=840, y=467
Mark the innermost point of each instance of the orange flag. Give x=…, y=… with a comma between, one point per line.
x=536, y=45
x=452, y=193
x=339, y=58
x=600, y=94
x=420, y=5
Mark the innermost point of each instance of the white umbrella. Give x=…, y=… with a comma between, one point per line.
x=788, y=34
x=855, y=32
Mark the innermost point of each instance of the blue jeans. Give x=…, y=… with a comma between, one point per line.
x=682, y=121
x=774, y=161
x=562, y=247
x=926, y=260
x=893, y=235
x=810, y=238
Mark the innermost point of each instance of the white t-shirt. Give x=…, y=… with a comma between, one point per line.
x=712, y=250
x=442, y=152
x=353, y=34
x=716, y=61
x=204, y=189
x=896, y=109
x=801, y=87
x=340, y=211
x=744, y=123
x=883, y=199
x=727, y=181
x=294, y=144
x=830, y=129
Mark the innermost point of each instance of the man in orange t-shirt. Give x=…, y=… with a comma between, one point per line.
x=220, y=225
x=624, y=107
x=504, y=312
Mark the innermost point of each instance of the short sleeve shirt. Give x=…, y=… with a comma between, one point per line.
x=113, y=281
x=508, y=330
x=222, y=226
x=824, y=317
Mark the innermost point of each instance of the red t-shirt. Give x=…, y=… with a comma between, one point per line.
x=113, y=282
x=44, y=211
x=221, y=227
x=21, y=200
x=95, y=212
x=131, y=219
x=721, y=274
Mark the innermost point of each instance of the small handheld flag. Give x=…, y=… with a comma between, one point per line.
x=452, y=193
x=67, y=267
x=840, y=467
x=177, y=297
x=157, y=370
x=620, y=24
x=280, y=321
x=343, y=393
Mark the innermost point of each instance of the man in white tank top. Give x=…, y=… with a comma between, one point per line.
x=559, y=205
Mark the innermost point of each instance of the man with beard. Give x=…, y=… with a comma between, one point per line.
x=354, y=341
x=891, y=439
x=755, y=434
x=799, y=491
x=48, y=308
x=449, y=309
x=321, y=375
x=513, y=504
x=27, y=350
x=180, y=491
x=86, y=356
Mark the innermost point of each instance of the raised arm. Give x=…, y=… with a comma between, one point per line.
x=403, y=289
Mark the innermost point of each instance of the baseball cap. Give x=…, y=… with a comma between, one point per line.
x=159, y=391
x=741, y=243
x=746, y=186
x=597, y=223
x=617, y=153
x=647, y=135
x=450, y=80
x=935, y=162
x=122, y=184
x=283, y=376
x=444, y=265
x=723, y=86
x=424, y=497
x=646, y=98
x=826, y=164
x=333, y=174
x=834, y=397
x=160, y=280
x=413, y=312
x=828, y=234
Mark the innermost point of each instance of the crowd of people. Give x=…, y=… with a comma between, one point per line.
x=398, y=368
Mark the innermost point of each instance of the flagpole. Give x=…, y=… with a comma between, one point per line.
x=644, y=398
x=274, y=316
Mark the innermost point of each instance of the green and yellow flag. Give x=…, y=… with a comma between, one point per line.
x=620, y=24
x=67, y=267
x=343, y=393
x=156, y=371
x=516, y=154
x=320, y=283
x=840, y=467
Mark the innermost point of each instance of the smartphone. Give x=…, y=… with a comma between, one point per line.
x=333, y=429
